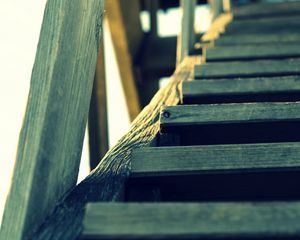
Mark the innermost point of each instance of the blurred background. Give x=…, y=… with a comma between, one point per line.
x=151, y=37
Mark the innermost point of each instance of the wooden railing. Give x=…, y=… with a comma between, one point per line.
x=44, y=202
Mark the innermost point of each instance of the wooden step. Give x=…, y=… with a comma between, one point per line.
x=265, y=89
x=252, y=52
x=230, y=123
x=212, y=159
x=192, y=221
x=215, y=172
x=274, y=25
x=229, y=113
x=228, y=40
x=258, y=68
x=265, y=10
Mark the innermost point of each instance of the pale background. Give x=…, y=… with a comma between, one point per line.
x=20, y=23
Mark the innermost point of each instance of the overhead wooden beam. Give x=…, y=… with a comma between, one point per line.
x=98, y=125
x=51, y=138
x=125, y=27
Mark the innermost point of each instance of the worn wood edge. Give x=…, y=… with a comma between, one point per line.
x=52, y=104
x=105, y=182
x=217, y=27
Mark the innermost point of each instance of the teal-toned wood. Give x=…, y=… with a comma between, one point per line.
x=253, y=52
x=183, y=115
x=259, y=68
x=242, y=90
x=265, y=10
x=254, y=39
x=51, y=138
x=192, y=220
x=213, y=159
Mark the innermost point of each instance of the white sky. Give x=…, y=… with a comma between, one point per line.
x=20, y=23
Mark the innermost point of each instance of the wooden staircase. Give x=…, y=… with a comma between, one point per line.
x=226, y=163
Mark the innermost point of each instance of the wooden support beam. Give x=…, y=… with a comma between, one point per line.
x=98, y=125
x=265, y=220
x=186, y=38
x=51, y=138
x=259, y=68
x=125, y=27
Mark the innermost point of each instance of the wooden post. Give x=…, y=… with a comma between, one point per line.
x=125, y=27
x=186, y=39
x=98, y=126
x=227, y=5
x=51, y=138
x=217, y=7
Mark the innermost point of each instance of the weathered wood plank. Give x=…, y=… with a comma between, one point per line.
x=192, y=220
x=229, y=113
x=105, y=183
x=213, y=159
x=257, y=39
x=274, y=25
x=51, y=138
x=251, y=52
x=242, y=90
x=256, y=10
x=259, y=68
x=127, y=35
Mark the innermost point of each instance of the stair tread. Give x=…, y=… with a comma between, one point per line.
x=182, y=115
x=185, y=160
x=278, y=25
x=249, y=52
x=253, y=38
x=191, y=220
x=258, y=68
x=256, y=10
x=242, y=90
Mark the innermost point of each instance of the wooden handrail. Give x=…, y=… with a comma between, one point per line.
x=51, y=138
x=106, y=182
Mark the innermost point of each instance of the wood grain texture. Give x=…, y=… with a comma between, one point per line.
x=212, y=159
x=259, y=68
x=265, y=10
x=192, y=220
x=248, y=52
x=229, y=113
x=250, y=89
x=51, y=138
x=227, y=40
x=106, y=182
